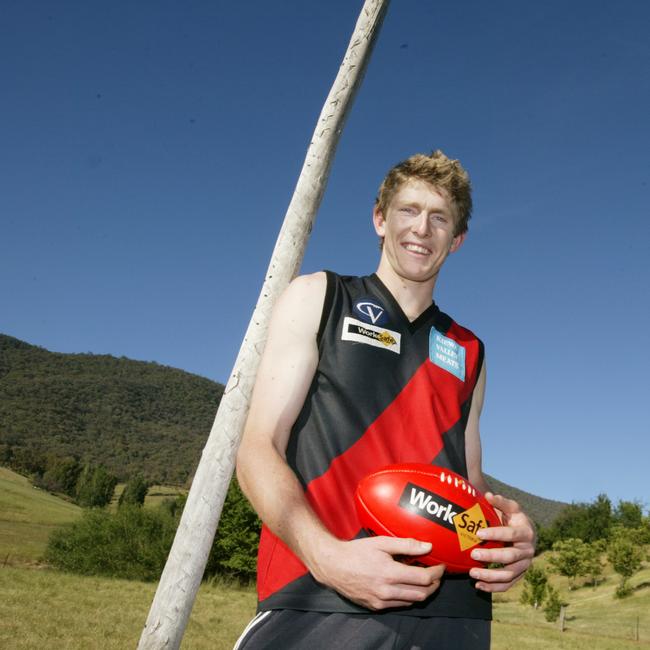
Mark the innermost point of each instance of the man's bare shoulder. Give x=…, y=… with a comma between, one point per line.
x=308, y=287
x=301, y=303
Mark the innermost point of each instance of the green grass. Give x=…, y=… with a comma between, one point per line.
x=27, y=517
x=155, y=495
x=49, y=609
x=595, y=620
x=45, y=608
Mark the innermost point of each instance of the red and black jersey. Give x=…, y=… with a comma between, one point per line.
x=386, y=390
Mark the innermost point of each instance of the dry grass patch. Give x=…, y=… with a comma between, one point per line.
x=49, y=609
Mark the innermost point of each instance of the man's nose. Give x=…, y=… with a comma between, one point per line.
x=422, y=227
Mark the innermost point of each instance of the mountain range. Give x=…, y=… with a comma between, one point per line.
x=130, y=416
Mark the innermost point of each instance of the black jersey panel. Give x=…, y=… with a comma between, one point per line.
x=452, y=454
x=456, y=597
x=357, y=379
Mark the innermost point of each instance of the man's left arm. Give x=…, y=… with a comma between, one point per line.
x=517, y=532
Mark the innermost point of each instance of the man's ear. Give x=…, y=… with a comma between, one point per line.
x=379, y=222
x=457, y=242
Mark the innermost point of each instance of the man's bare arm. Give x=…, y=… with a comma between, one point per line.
x=362, y=570
x=517, y=531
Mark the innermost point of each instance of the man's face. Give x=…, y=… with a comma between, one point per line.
x=418, y=231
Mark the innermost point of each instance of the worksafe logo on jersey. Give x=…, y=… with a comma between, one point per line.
x=371, y=311
x=447, y=354
x=429, y=505
x=360, y=332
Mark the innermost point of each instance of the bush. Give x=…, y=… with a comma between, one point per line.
x=132, y=543
x=60, y=476
x=553, y=605
x=535, y=586
x=569, y=559
x=95, y=487
x=234, y=552
x=625, y=557
x=134, y=492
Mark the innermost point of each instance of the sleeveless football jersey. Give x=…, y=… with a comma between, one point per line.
x=385, y=391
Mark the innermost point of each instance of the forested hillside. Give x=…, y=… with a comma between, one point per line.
x=130, y=416
x=542, y=511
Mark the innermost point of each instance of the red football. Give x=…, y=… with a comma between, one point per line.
x=431, y=504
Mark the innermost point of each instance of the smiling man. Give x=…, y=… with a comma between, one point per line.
x=350, y=382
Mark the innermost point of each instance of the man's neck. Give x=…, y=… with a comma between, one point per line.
x=413, y=297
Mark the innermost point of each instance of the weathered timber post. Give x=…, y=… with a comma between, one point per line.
x=562, y=617
x=172, y=603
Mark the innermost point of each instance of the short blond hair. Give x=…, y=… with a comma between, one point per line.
x=440, y=172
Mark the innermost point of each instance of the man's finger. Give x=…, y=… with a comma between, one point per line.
x=418, y=575
x=506, y=533
x=402, y=545
x=507, y=506
x=506, y=575
x=495, y=587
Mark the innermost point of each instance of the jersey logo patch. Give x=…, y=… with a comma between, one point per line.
x=447, y=354
x=380, y=337
x=370, y=311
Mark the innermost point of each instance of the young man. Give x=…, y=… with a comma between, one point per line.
x=349, y=383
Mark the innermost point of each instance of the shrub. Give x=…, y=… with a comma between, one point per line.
x=132, y=543
x=134, y=492
x=625, y=557
x=553, y=605
x=234, y=552
x=95, y=487
x=570, y=559
x=535, y=585
x=60, y=476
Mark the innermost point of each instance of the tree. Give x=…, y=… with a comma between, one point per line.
x=95, y=487
x=134, y=492
x=598, y=519
x=535, y=586
x=586, y=521
x=569, y=559
x=234, y=552
x=553, y=605
x=61, y=475
x=626, y=558
x=628, y=514
x=593, y=567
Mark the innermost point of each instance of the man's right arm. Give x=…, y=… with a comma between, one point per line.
x=362, y=570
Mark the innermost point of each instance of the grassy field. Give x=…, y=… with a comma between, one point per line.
x=594, y=619
x=50, y=609
x=155, y=495
x=40, y=607
x=27, y=517
x=43, y=608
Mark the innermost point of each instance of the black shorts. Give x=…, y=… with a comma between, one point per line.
x=288, y=629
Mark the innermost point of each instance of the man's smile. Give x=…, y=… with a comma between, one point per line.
x=416, y=248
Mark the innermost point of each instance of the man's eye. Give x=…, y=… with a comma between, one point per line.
x=407, y=210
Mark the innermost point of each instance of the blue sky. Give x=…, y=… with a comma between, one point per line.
x=148, y=152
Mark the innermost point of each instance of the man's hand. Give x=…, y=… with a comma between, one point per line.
x=518, y=534
x=365, y=572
